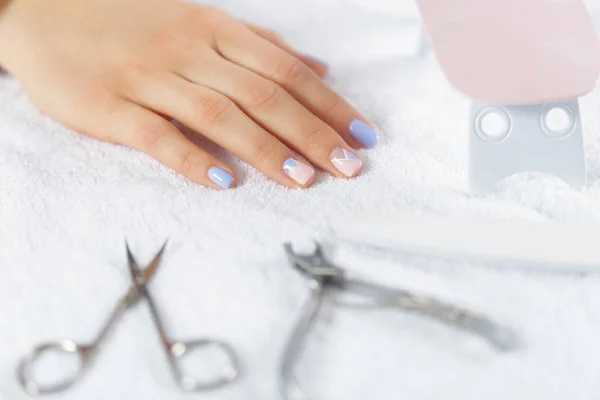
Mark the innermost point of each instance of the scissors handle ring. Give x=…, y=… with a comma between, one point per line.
x=34, y=388
x=228, y=373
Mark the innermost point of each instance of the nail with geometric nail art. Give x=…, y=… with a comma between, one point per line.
x=299, y=171
x=346, y=162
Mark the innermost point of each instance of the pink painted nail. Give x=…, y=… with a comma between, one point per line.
x=346, y=162
x=299, y=171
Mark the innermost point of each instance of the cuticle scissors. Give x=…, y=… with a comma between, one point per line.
x=174, y=350
x=327, y=279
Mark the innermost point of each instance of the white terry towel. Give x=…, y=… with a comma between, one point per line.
x=67, y=202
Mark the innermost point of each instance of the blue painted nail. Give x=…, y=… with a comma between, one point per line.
x=363, y=133
x=220, y=177
x=317, y=60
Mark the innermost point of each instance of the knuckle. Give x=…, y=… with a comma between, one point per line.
x=185, y=163
x=315, y=137
x=211, y=13
x=214, y=110
x=290, y=71
x=260, y=95
x=263, y=153
x=202, y=17
x=151, y=135
x=162, y=47
x=222, y=25
x=165, y=39
x=273, y=36
x=100, y=96
x=333, y=105
x=196, y=16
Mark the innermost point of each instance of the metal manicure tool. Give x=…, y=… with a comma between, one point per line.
x=327, y=280
x=175, y=350
x=524, y=64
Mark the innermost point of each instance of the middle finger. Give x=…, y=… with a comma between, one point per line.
x=240, y=45
x=276, y=110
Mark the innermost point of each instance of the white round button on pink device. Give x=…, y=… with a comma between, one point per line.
x=493, y=124
x=558, y=121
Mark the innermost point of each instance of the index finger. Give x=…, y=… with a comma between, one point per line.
x=320, y=67
x=240, y=45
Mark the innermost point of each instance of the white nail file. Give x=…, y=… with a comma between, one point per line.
x=569, y=247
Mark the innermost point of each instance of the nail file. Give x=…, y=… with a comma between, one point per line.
x=568, y=247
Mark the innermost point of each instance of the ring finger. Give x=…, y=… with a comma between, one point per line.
x=243, y=47
x=274, y=108
x=220, y=120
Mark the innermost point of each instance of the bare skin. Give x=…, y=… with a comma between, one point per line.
x=122, y=70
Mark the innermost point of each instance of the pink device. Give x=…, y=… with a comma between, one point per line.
x=524, y=63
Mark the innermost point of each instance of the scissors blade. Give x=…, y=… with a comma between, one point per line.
x=133, y=294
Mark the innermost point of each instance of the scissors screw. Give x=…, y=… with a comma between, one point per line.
x=314, y=284
x=32, y=388
x=296, y=394
x=187, y=383
x=457, y=314
x=230, y=373
x=178, y=349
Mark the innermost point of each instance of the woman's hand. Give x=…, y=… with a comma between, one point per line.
x=120, y=71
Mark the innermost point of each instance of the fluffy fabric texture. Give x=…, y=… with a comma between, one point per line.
x=67, y=202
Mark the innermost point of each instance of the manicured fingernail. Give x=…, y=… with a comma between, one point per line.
x=345, y=161
x=221, y=177
x=299, y=171
x=363, y=133
x=317, y=60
